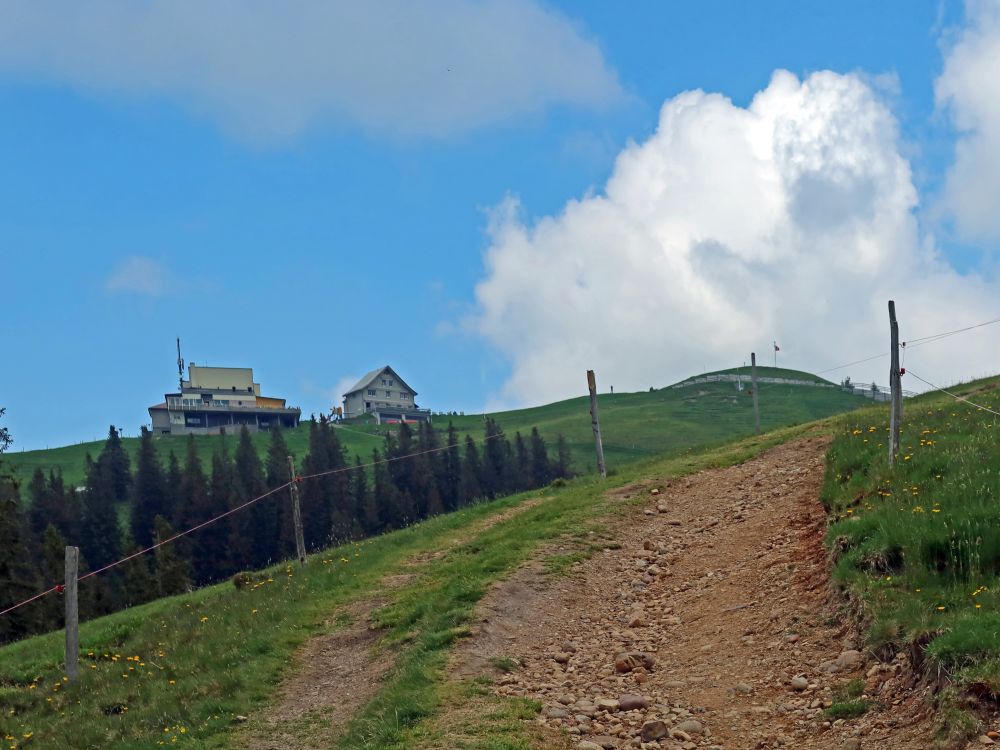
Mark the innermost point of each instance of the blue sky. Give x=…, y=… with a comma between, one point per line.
x=339, y=223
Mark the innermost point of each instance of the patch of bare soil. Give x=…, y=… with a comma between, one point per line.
x=713, y=626
x=334, y=676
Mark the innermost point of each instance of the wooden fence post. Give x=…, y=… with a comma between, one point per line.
x=300, y=543
x=895, y=394
x=595, y=422
x=72, y=614
x=753, y=389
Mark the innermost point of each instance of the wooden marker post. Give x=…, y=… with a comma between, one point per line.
x=72, y=614
x=753, y=389
x=895, y=395
x=595, y=422
x=300, y=542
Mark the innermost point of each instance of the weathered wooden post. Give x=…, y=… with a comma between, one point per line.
x=595, y=422
x=72, y=614
x=753, y=389
x=895, y=394
x=300, y=542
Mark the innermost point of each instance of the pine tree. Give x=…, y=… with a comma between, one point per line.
x=392, y=509
x=363, y=500
x=276, y=470
x=137, y=583
x=195, y=506
x=173, y=571
x=564, y=464
x=344, y=515
x=521, y=478
x=472, y=472
x=172, y=489
x=19, y=578
x=53, y=571
x=100, y=531
x=451, y=478
x=115, y=467
x=541, y=470
x=212, y=557
x=253, y=530
x=315, y=505
x=148, y=491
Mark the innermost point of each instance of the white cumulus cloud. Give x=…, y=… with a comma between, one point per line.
x=790, y=219
x=270, y=70
x=967, y=88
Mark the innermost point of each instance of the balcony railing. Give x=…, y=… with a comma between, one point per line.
x=199, y=405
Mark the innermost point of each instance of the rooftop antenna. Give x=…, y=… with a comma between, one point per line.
x=180, y=365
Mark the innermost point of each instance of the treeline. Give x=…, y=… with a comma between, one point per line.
x=121, y=510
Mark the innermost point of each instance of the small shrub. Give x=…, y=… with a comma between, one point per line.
x=851, y=709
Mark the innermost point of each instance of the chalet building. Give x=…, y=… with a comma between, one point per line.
x=217, y=398
x=384, y=395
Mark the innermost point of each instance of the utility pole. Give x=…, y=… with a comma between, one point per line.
x=72, y=614
x=753, y=389
x=300, y=542
x=896, y=395
x=595, y=422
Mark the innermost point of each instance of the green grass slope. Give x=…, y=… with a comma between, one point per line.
x=633, y=425
x=918, y=544
x=179, y=671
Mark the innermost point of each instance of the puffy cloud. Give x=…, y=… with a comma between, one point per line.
x=967, y=88
x=791, y=219
x=140, y=275
x=270, y=70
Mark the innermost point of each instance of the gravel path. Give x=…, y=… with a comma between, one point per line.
x=712, y=626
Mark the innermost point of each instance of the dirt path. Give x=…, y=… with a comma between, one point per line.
x=338, y=672
x=721, y=587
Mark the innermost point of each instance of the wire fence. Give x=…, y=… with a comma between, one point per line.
x=912, y=343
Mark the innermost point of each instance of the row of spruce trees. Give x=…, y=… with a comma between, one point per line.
x=122, y=510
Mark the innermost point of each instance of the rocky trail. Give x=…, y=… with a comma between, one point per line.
x=712, y=625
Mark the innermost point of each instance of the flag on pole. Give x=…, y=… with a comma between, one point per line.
x=776, y=347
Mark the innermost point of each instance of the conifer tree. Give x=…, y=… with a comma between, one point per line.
x=472, y=472
x=211, y=558
x=315, y=505
x=564, y=464
x=521, y=478
x=19, y=578
x=173, y=571
x=541, y=467
x=253, y=530
x=53, y=570
x=392, y=507
x=363, y=500
x=344, y=515
x=194, y=507
x=148, y=491
x=172, y=489
x=276, y=470
x=100, y=531
x=137, y=583
x=451, y=482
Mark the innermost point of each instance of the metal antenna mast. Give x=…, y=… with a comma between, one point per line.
x=180, y=365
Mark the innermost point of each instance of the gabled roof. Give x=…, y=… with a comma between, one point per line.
x=371, y=376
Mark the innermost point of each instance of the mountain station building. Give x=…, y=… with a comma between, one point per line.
x=384, y=395
x=213, y=399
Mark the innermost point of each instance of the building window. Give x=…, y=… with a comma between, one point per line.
x=371, y=391
x=388, y=394
x=389, y=383
x=385, y=382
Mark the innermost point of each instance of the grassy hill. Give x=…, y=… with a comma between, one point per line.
x=633, y=425
x=187, y=669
